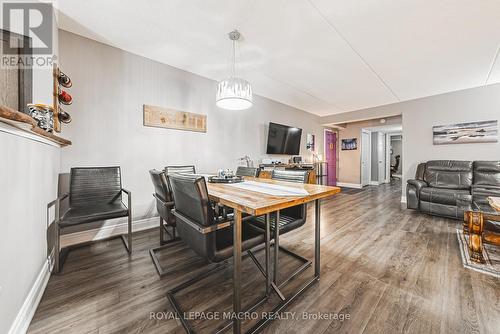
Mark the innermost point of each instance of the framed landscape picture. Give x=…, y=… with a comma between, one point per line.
x=463, y=133
x=349, y=144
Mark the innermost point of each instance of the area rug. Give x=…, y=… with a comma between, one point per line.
x=491, y=254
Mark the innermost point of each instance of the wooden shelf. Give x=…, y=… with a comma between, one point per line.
x=25, y=122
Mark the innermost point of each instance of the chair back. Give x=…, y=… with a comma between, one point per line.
x=189, y=169
x=192, y=202
x=248, y=171
x=162, y=192
x=298, y=176
x=94, y=186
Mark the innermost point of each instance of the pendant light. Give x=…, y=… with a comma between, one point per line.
x=234, y=93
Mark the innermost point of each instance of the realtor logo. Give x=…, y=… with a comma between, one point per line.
x=30, y=19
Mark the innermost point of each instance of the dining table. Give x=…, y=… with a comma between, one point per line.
x=262, y=197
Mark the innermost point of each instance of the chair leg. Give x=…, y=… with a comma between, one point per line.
x=57, y=258
x=181, y=314
x=156, y=262
x=130, y=232
x=162, y=238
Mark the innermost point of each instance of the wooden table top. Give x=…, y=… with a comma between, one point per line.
x=256, y=203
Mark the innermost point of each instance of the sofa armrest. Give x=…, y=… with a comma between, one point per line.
x=418, y=184
x=413, y=193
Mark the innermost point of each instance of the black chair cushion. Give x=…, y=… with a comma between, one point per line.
x=449, y=174
x=87, y=214
x=444, y=196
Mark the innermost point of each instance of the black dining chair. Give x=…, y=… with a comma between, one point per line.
x=288, y=219
x=248, y=171
x=207, y=234
x=164, y=206
x=299, y=176
x=188, y=169
x=95, y=194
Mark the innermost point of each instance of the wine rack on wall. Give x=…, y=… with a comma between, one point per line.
x=61, y=97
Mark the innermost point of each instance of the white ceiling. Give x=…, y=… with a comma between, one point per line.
x=322, y=56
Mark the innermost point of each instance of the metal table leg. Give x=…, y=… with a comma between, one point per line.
x=268, y=255
x=276, y=247
x=237, y=271
x=317, y=227
x=284, y=304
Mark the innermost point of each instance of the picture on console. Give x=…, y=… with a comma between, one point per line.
x=464, y=133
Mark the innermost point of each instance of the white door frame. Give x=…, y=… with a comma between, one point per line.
x=336, y=153
x=382, y=159
x=388, y=155
x=369, y=157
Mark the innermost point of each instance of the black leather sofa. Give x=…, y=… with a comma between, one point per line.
x=449, y=187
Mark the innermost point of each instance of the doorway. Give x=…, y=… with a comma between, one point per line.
x=331, y=157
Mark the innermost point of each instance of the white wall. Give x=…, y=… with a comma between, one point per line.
x=109, y=88
x=28, y=181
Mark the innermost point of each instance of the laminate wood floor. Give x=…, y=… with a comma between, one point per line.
x=388, y=269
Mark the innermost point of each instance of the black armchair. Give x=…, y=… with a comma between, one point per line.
x=197, y=224
x=95, y=193
x=164, y=205
x=203, y=231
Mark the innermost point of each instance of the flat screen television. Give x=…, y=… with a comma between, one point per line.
x=283, y=139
